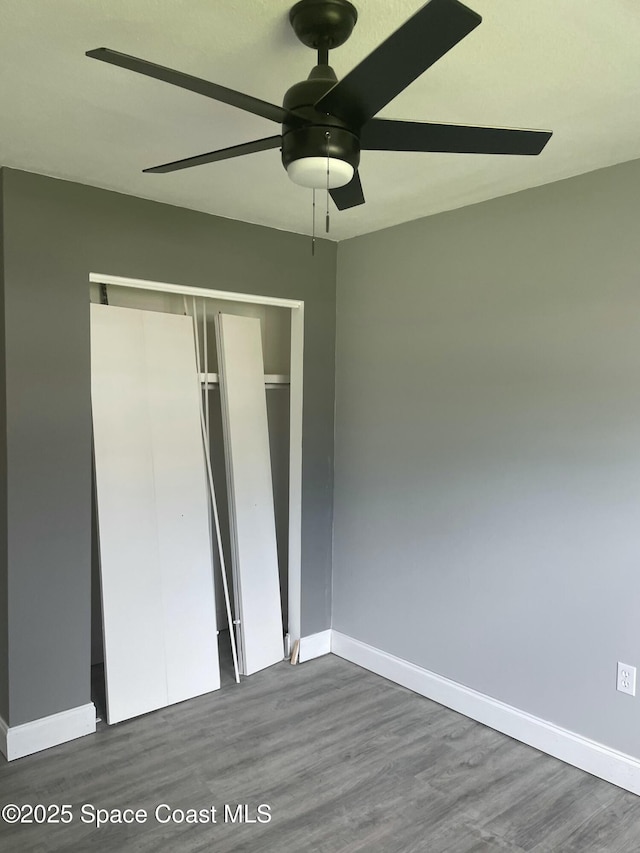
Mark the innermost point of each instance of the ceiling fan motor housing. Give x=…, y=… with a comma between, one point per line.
x=322, y=135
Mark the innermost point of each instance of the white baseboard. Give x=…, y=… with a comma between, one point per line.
x=315, y=645
x=593, y=757
x=18, y=741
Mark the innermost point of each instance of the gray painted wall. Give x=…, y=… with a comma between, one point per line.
x=487, y=488
x=4, y=614
x=56, y=233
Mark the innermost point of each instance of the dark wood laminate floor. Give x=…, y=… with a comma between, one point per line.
x=347, y=762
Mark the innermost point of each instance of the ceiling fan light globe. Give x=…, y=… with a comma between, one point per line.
x=312, y=172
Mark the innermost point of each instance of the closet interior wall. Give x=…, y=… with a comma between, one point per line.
x=276, y=342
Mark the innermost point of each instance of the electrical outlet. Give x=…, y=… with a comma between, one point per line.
x=626, y=679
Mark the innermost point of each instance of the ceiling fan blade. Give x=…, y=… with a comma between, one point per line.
x=221, y=154
x=350, y=195
x=388, y=135
x=193, y=84
x=420, y=42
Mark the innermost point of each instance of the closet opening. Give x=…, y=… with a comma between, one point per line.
x=281, y=324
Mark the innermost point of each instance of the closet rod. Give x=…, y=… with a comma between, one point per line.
x=271, y=380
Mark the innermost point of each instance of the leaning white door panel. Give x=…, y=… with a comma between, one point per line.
x=184, y=550
x=157, y=589
x=131, y=599
x=251, y=513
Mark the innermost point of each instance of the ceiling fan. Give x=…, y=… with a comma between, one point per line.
x=327, y=122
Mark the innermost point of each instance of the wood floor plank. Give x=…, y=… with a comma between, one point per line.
x=348, y=763
x=551, y=812
x=614, y=828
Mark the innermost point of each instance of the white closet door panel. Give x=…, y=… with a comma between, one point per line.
x=251, y=513
x=191, y=642
x=131, y=596
x=157, y=587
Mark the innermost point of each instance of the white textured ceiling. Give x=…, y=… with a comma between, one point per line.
x=571, y=66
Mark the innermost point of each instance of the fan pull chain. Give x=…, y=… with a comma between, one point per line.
x=326, y=223
x=313, y=227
